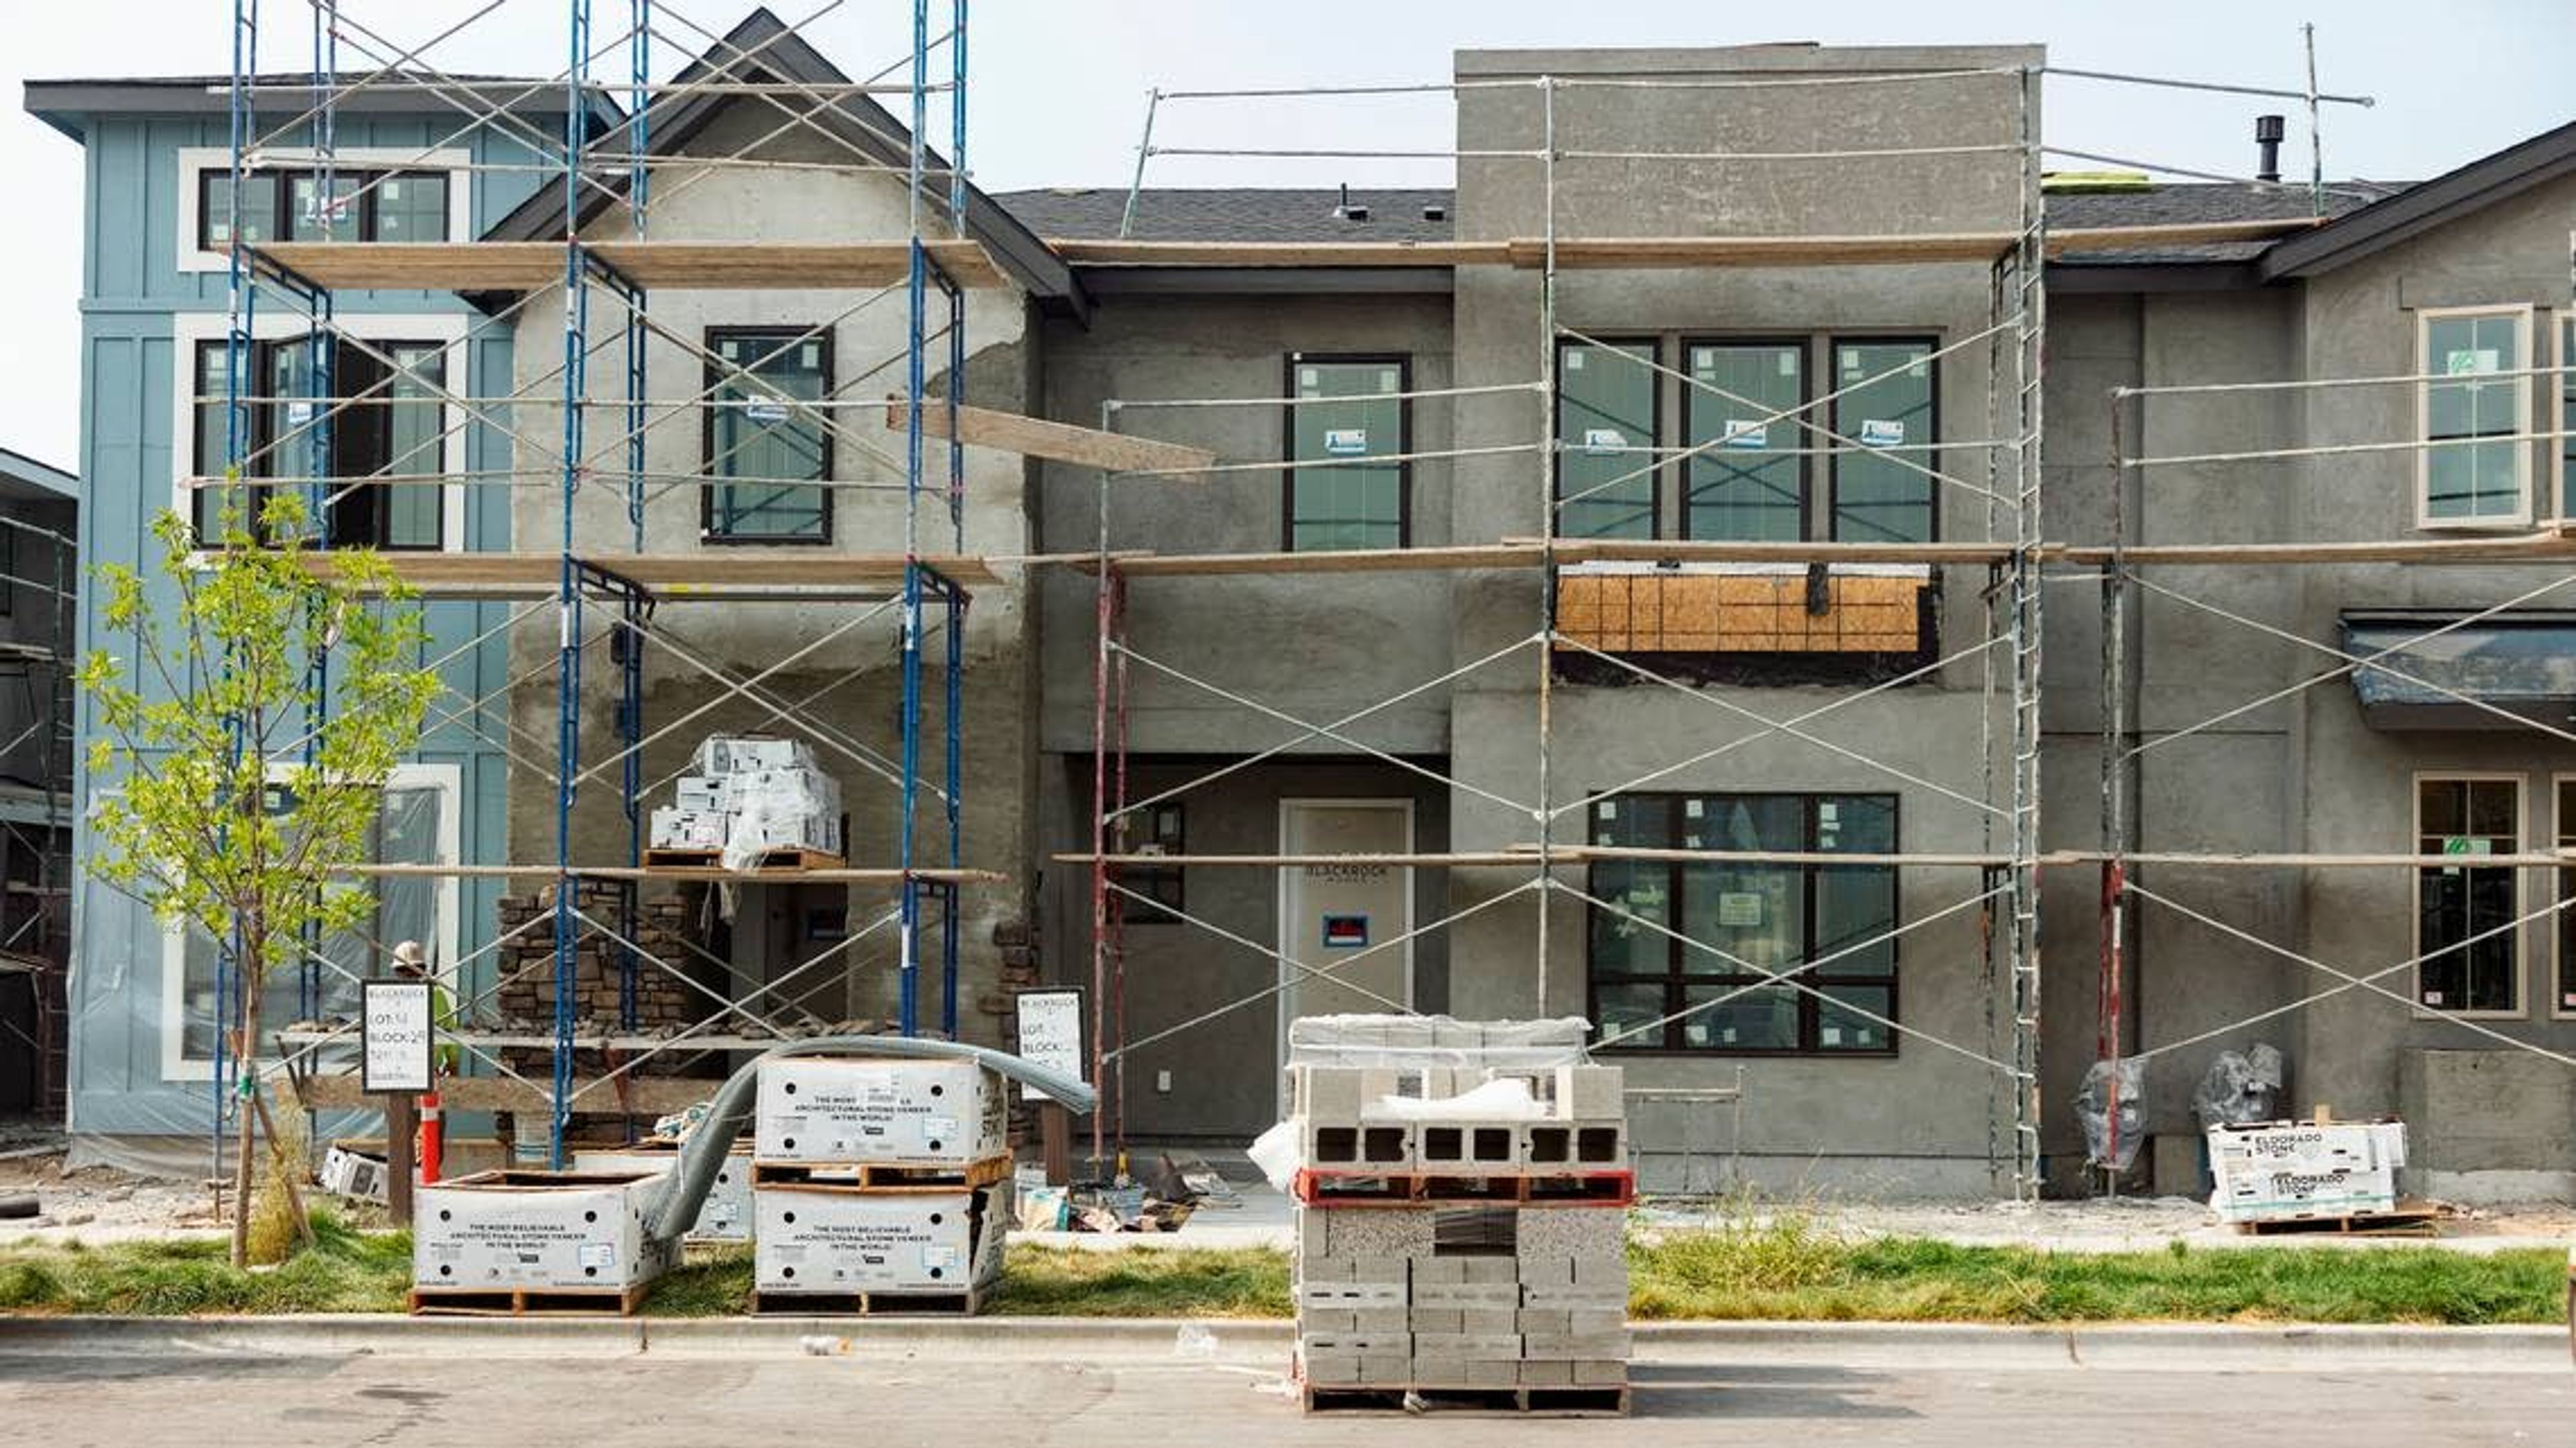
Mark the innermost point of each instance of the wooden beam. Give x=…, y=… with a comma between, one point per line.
x=856, y=875
x=718, y=573
x=642, y=1095
x=1677, y=550
x=2191, y=233
x=1063, y=441
x=1356, y=560
x=511, y=266
x=2545, y=546
x=1646, y=252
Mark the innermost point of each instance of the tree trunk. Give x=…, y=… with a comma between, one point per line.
x=249, y=972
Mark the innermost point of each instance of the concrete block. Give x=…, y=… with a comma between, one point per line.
x=1545, y=1320
x=1467, y=1295
x=1609, y=1271
x=1439, y=1269
x=1490, y=1321
x=1438, y=1372
x=1323, y=1269
x=1546, y=1271
x=1333, y=1372
x=1350, y=1296
x=1486, y=1347
x=1388, y=1318
x=1601, y=1145
x=1572, y=1345
x=1599, y=1296
x=1314, y=1234
x=1328, y=1319
x=1547, y=1374
x=1386, y=1370
x=1385, y=1268
x=1313, y=1345
x=1434, y=1319
x=1329, y=1094
x=1455, y=1035
x=1600, y=1373
x=1477, y=1146
x=1592, y=1093
x=1377, y=1232
x=1578, y=1232
x=1496, y=1271
x=1569, y=1146
x=1407, y=1033
x=1595, y=1319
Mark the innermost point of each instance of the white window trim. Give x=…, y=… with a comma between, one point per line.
x=449, y=781
x=2424, y=320
x=2559, y=823
x=447, y=329
x=2562, y=332
x=196, y=161
x=2521, y=895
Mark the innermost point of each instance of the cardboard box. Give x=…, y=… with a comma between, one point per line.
x=2308, y=1146
x=725, y=1216
x=743, y=753
x=347, y=1172
x=849, y=1239
x=883, y=1112
x=704, y=791
x=2283, y=1192
x=537, y=1230
x=674, y=828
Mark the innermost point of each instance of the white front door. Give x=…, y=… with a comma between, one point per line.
x=1340, y=919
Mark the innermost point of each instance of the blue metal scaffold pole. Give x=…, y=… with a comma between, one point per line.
x=576, y=305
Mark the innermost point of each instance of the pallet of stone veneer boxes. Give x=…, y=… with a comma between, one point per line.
x=878, y=1185
x=2291, y=1171
x=516, y=1243
x=1434, y=1268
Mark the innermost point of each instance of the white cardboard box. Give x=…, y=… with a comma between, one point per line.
x=725, y=1216
x=845, y=1239
x=688, y=829
x=704, y=791
x=534, y=1229
x=2308, y=1146
x=740, y=753
x=2288, y=1192
x=887, y=1112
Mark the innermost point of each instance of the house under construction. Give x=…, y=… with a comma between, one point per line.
x=1767, y=561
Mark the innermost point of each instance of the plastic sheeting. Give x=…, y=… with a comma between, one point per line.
x=2240, y=1087
x=2092, y=1103
x=1414, y=1042
x=145, y=1010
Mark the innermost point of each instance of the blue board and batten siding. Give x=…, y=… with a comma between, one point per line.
x=136, y=302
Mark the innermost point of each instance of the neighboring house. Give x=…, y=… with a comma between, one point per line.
x=39, y=577
x=2461, y=276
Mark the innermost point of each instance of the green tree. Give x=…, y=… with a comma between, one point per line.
x=237, y=797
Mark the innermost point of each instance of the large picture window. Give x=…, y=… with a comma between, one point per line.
x=384, y=418
x=766, y=456
x=1891, y=411
x=1608, y=425
x=1700, y=939
x=2477, y=467
x=1338, y=498
x=286, y=205
x=2470, y=947
x=1750, y=483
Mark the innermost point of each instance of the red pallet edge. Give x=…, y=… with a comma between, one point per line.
x=1405, y=1189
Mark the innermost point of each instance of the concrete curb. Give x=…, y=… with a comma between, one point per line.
x=2135, y=1347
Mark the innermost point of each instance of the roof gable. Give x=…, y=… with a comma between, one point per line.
x=2420, y=208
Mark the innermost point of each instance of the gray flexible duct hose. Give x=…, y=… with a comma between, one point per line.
x=730, y=1110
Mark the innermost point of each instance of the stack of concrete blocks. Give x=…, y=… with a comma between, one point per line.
x=2292, y=1170
x=747, y=796
x=1429, y=1257
x=878, y=1185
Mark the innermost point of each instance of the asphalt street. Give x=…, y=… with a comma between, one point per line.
x=68, y=1400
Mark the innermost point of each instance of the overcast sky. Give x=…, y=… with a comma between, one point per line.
x=1058, y=90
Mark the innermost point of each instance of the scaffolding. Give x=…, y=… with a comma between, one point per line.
x=42, y=564
x=595, y=582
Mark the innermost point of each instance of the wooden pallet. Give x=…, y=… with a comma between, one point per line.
x=529, y=1301
x=775, y=862
x=1315, y=1187
x=2406, y=1219
x=1523, y=1402
x=868, y=1304
x=865, y=1176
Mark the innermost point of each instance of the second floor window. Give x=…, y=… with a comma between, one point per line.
x=1608, y=423
x=287, y=205
x=1750, y=485
x=1886, y=411
x=1337, y=498
x=383, y=419
x=2465, y=933
x=2477, y=468
x=765, y=456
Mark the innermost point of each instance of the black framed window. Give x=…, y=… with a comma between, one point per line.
x=286, y=204
x=1891, y=411
x=2470, y=951
x=385, y=418
x=1609, y=415
x=1157, y=829
x=1750, y=484
x=1336, y=497
x=1704, y=937
x=774, y=452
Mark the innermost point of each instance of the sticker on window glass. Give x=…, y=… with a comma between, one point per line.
x=2432, y=998
x=1346, y=442
x=1727, y=1035
x=2568, y=1000
x=1830, y=1035
x=1828, y=813
x=812, y=357
x=1574, y=361
x=1693, y=808
x=299, y=414
x=1919, y=370
x=2467, y=845
x=1608, y=809
x=1852, y=366
x=1691, y=842
x=1309, y=377
x=1746, y=433
x=1739, y=909
x=765, y=411
x=1388, y=381
x=1604, y=440
x=1788, y=364
x=1881, y=432
x=391, y=190
x=2468, y=361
